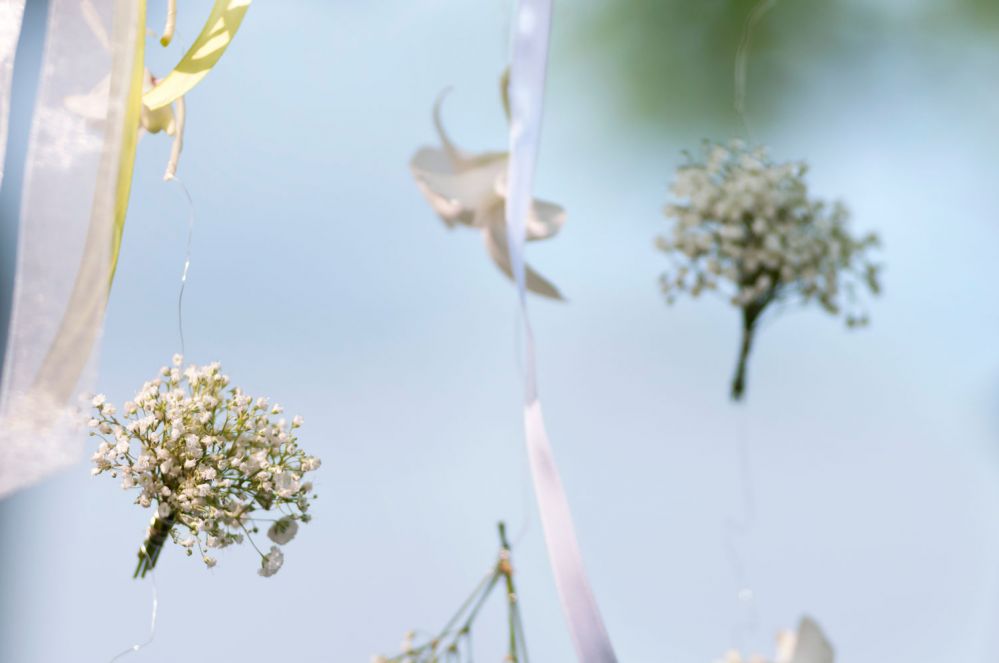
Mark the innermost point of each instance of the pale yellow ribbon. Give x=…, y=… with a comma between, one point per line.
x=221, y=26
x=215, y=37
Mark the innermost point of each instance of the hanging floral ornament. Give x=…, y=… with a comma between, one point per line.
x=470, y=190
x=454, y=641
x=94, y=95
x=212, y=461
x=807, y=645
x=747, y=228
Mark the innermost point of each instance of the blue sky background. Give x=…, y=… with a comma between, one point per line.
x=322, y=279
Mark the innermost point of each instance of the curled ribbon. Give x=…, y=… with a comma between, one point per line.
x=215, y=37
x=529, y=59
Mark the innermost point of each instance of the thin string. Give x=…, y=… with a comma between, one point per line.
x=152, y=624
x=736, y=530
x=187, y=260
x=742, y=61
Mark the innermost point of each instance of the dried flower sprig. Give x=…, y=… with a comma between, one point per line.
x=748, y=229
x=454, y=641
x=210, y=458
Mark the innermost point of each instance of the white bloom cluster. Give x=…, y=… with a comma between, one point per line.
x=746, y=227
x=210, y=458
x=749, y=223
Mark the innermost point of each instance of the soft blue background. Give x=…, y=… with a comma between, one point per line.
x=322, y=279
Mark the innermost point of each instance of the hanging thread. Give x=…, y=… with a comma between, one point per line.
x=152, y=624
x=187, y=259
x=735, y=528
x=742, y=60
x=740, y=528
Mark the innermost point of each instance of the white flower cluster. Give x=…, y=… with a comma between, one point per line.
x=747, y=227
x=210, y=458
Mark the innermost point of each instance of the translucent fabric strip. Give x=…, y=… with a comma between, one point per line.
x=11, y=13
x=79, y=154
x=529, y=60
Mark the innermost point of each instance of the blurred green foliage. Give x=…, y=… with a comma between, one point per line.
x=980, y=13
x=673, y=61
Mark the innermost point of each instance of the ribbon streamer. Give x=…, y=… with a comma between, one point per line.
x=11, y=14
x=215, y=37
x=78, y=148
x=529, y=59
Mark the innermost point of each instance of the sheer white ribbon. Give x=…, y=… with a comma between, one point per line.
x=11, y=13
x=529, y=59
x=73, y=169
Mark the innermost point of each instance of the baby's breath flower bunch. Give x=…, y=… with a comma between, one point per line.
x=454, y=641
x=210, y=459
x=747, y=228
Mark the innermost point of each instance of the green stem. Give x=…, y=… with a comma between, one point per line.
x=149, y=551
x=513, y=615
x=750, y=315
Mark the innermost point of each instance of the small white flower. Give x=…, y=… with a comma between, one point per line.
x=271, y=562
x=286, y=485
x=283, y=531
x=209, y=561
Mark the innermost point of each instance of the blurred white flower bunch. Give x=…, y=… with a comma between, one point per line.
x=807, y=645
x=747, y=228
x=210, y=458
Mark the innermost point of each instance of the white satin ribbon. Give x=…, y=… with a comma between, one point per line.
x=66, y=241
x=11, y=13
x=529, y=60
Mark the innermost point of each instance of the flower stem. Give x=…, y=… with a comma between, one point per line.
x=505, y=568
x=749, y=317
x=150, y=549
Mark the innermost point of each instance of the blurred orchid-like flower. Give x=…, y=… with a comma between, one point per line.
x=808, y=645
x=470, y=190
